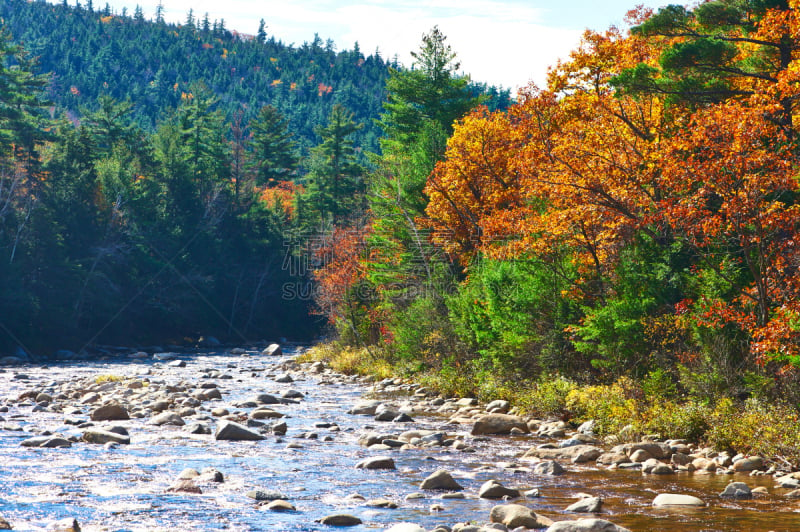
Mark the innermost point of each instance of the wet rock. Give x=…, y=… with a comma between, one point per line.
x=440, y=480
x=640, y=455
x=110, y=412
x=264, y=495
x=365, y=408
x=100, y=436
x=788, y=482
x=176, y=364
x=737, y=490
x=516, y=515
x=4, y=525
x=492, y=489
x=586, y=525
x=292, y=394
x=167, y=418
x=549, y=467
x=266, y=399
x=272, y=350
x=340, y=520
x=498, y=424
x=655, y=449
x=228, y=430
x=575, y=453
x=498, y=406
x=655, y=467
x=210, y=475
x=279, y=429
x=184, y=486
x=748, y=464
x=381, y=503
x=587, y=505
x=403, y=418
x=46, y=441
x=677, y=499
x=265, y=413
x=198, y=428
x=64, y=525
x=612, y=458
x=377, y=462
x=279, y=505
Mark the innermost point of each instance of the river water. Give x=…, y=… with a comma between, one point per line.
x=124, y=488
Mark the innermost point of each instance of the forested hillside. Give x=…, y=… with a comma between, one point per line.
x=92, y=51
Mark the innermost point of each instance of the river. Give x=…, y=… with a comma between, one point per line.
x=121, y=488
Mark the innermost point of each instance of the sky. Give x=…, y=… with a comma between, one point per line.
x=506, y=43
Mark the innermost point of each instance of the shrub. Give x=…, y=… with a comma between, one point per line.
x=612, y=406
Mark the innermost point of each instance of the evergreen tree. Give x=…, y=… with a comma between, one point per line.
x=273, y=152
x=334, y=184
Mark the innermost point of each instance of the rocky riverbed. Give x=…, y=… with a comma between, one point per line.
x=248, y=439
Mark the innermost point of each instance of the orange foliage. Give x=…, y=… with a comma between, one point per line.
x=281, y=195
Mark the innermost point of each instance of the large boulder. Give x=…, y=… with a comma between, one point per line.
x=167, y=418
x=100, y=436
x=377, y=462
x=110, y=412
x=737, y=490
x=228, y=430
x=587, y=505
x=516, y=515
x=750, y=463
x=272, y=350
x=677, y=499
x=441, y=480
x=492, y=489
x=549, y=467
x=586, y=525
x=575, y=453
x=498, y=424
x=340, y=520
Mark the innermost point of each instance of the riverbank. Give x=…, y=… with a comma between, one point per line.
x=236, y=439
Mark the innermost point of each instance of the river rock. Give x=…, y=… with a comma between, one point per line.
x=498, y=406
x=498, y=424
x=340, y=520
x=549, y=467
x=5, y=525
x=100, y=436
x=652, y=466
x=377, y=462
x=381, y=503
x=655, y=449
x=272, y=350
x=639, y=456
x=440, y=480
x=677, y=499
x=46, y=442
x=265, y=413
x=228, y=430
x=264, y=495
x=575, y=453
x=738, y=490
x=492, y=489
x=516, y=515
x=586, y=525
x=612, y=458
x=279, y=505
x=110, y=412
x=788, y=482
x=167, y=418
x=64, y=525
x=266, y=399
x=751, y=463
x=587, y=505
x=185, y=485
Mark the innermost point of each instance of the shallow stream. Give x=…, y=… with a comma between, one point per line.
x=124, y=488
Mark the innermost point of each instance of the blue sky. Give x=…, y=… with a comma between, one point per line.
x=501, y=42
